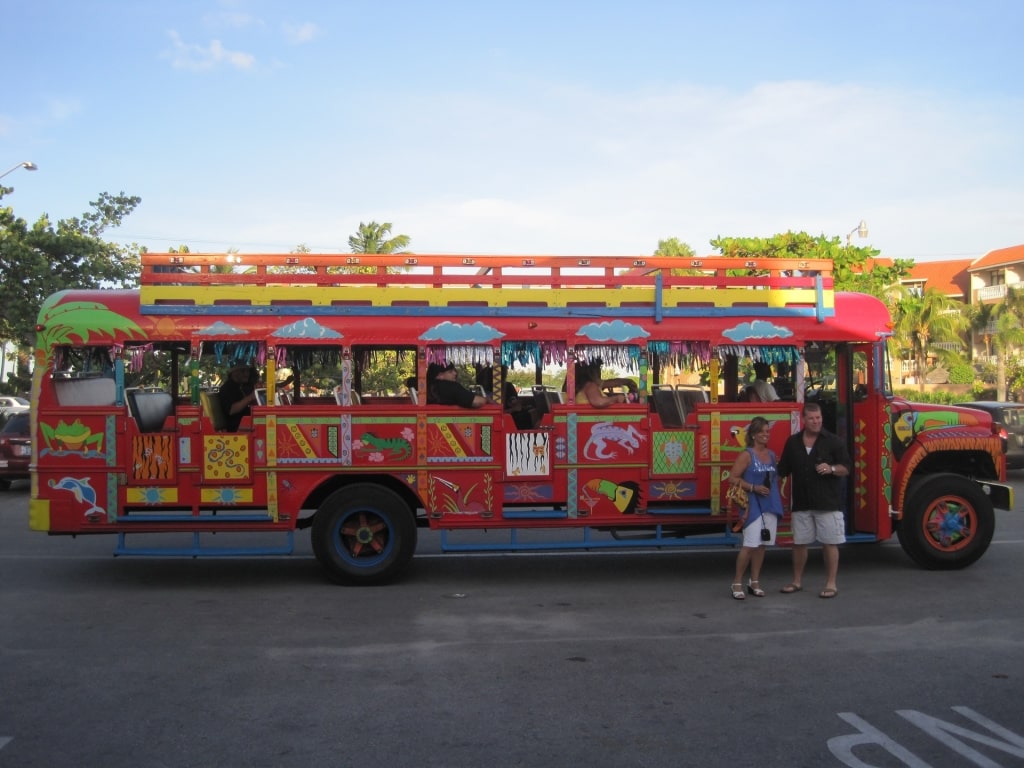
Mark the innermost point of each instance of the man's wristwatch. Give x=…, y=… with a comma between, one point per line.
x=833, y=468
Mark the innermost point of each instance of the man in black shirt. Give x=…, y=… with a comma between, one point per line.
x=238, y=394
x=816, y=459
x=443, y=388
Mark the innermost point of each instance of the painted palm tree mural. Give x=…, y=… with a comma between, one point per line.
x=93, y=323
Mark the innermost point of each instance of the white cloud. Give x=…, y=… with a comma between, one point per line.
x=300, y=33
x=575, y=171
x=62, y=109
x=197, y=58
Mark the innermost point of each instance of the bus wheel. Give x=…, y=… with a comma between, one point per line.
x=363, y=535
x=948, y=523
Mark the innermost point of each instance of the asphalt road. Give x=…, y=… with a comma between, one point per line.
x=516, y=660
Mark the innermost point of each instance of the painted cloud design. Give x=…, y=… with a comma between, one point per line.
x=220, y=328
x=758, y=329
x=616, y=330
x=462, y=334
x=306, y=328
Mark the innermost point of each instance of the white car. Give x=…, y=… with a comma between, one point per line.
x=10, y=405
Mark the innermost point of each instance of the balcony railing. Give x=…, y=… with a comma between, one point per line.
x=991, y=293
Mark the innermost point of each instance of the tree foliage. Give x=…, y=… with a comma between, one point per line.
x=927, y=319
x=39, y=260
x=375, y=238
x=673, y=246
x=855, y=268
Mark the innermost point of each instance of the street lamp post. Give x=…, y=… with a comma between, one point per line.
x=861, y=230
x=27, y=165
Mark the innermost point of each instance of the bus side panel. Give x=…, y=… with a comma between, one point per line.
x=461, y=450
x=77, y=467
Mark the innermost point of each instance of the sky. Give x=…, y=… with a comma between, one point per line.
x=521, y=127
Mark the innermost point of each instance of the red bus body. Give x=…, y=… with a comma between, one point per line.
x=364, y=471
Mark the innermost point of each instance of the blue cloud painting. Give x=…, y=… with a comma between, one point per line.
x=616, y=330
x=306, y=328
x=220, y=328
x=758, y=329
x=457, y=333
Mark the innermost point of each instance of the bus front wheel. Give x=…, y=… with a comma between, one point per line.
x=363, y=535
x=948, y=523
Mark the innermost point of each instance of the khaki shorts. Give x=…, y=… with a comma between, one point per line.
x=826, y=527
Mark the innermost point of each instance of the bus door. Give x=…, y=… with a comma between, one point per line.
x=674, y=442
x=869, y=449
x=530, y=452
x=460, y=449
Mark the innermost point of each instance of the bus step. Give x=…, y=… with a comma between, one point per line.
x=197, y=548
x=535, y=514
x=188, y=517
x=680, y=511
x=534, y=540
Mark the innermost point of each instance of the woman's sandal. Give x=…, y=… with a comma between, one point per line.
x=789, y=589
x=737, y=592
x=755, y=591
x=828, y=593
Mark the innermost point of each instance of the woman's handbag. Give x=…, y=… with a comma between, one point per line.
x=739, y=499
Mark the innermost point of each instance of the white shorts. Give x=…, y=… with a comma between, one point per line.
x=826, y=527
x=752, y=533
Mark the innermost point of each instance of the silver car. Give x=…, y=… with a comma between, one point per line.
x=1011, y=416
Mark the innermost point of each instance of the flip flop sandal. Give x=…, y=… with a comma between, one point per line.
x=828, y=594
x=789, y=589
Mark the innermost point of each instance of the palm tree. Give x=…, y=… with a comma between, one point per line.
x=982, y=320
x=1008, y=334
x=374, y=238
x=927, y=319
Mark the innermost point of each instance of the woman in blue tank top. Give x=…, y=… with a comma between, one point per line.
x=754, y=471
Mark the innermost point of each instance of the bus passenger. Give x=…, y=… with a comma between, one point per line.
x=443, y=388
x=238, y=394
x=755, y=472
x=761, y=390
x=590, y=386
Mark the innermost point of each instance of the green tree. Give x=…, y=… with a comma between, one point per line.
x=982, y=317
x=924, y=320
x=39, y=260
x=375, y=238
x=855, y=268
x=1007, y=334
x=674, y=247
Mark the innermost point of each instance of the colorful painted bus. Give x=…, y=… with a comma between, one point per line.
x=129, y=438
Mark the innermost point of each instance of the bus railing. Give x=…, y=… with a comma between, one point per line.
x=475, y=285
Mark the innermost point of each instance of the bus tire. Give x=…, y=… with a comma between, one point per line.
x=948, y=523
x=363, y=535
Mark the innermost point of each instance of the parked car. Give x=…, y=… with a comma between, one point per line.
x=10, y=404
x=15, y=449
x=1011, y=416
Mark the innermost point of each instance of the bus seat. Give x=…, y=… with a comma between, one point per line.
x=96, y=391
x=339, y=397
x=541, y=402
x=545, y=396
x=212, y=409
x=150, y=409
x=668, y=406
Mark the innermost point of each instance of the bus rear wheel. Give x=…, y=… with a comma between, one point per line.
x=948, y=523
x=363, y=535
